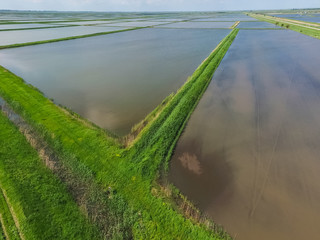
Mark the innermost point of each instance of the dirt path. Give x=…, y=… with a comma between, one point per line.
x=293, y=22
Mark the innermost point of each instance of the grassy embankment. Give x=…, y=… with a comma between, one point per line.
x=306, y=28
x=127, y=174
x=66, y=38
x=34, y=204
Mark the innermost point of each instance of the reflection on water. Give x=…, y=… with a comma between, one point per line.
x=114, y=80
x=30, y=25
x=257, y=25
x=191, y=162
x=255, y=135
x=199, y=25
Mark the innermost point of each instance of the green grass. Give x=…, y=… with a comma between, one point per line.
x=9, y=227
x=66, y=38
x=129, y=173
x=39, y=202
x=2, y=236
x=283, y=23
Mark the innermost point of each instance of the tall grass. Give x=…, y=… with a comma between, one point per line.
x=39, y=202
x=9, y=228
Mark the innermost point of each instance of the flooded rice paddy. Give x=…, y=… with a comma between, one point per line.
x=21, y=26
x=32, y=35
x=199, y=25
x=114, y=80
x=86, y=22
x=137, y=24
x=249, y=156
x=257, y=25
x=226, y=19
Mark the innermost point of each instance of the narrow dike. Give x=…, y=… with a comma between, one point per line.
x=123, y=179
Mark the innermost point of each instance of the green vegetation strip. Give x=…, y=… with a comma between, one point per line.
x=39, y=203
x=66, y=38
x=306, y=28
x=2, y=235
x=126, y=173
x=9, y=228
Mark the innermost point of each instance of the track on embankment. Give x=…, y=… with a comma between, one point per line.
x=141, y=208
x=310, y=29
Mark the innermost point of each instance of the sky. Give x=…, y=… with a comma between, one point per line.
x=155, y=5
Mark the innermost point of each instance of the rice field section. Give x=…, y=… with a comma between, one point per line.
x=114, y=80
x=137, y=24
x=24, y=26
x=249, y=156
x=257, y=25
x=198, y=25
x=226, y=19
x=83, y=23
x=25, y=36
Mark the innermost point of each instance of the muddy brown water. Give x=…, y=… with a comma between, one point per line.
x=249, y=157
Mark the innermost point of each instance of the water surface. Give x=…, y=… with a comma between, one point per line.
x=29, y=25
x=227, y=19
x=32, y=35
x=199, y=25
x=249, y=156
x=257, y=25
x=137, y=23
x=114, y=80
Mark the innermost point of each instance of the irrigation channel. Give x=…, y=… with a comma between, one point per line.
x=249, y=156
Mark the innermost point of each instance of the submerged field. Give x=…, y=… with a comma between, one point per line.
x=252, y=143
x=246, y=160
x=114, y=80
